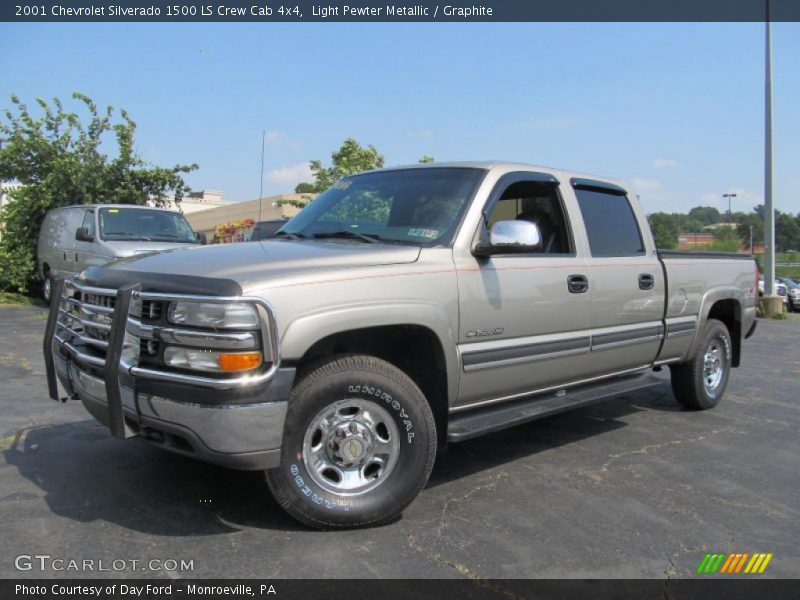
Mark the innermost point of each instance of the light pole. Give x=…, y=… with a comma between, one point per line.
x=729, y=196
x=769, y=212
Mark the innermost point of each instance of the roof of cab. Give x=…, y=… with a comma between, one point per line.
x=490, y=165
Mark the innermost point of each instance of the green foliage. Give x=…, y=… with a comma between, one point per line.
x=426, y=159
x=743, y=228
x=59, y=160
x=707, y=215
x=665, y=230
x=304, y=188
x=350, y=158
x=787, y=232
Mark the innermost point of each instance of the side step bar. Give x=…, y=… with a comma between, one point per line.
x=484, y=420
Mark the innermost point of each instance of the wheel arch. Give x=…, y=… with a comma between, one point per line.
x=423, y=348
x=725, y=305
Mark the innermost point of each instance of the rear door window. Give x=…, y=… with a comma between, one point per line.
x=610, y=223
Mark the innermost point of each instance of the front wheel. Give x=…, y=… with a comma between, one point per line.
x=47, y=288
x=699, y=383
x=359, y=444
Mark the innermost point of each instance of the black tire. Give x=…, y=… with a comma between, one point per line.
x=693, y=386
x=390, y=407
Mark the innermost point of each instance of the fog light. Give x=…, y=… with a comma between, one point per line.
x=211, y=361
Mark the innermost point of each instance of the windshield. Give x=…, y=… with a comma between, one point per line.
x=416, y=206
x=137, y=224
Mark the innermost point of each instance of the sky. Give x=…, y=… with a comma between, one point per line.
x=675, y=109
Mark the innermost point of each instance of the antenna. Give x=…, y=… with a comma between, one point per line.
x=261, y=184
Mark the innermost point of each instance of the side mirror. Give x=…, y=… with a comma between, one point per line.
x=201, y=238
x=82, y=235
x=507, y=237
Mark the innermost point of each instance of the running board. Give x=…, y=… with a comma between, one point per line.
x=470, y=424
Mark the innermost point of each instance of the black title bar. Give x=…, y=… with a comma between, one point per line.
x=284, y=11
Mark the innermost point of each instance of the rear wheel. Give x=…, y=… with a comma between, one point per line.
x=699, y=383
x=359, y=444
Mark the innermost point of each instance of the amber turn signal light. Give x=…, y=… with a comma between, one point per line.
x=240, y=361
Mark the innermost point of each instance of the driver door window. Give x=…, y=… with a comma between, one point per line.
x=540, y=204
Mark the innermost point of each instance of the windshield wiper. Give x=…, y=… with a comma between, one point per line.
x=372, y=238
x=128, y=234
x=289, y=235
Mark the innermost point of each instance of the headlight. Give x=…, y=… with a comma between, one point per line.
x=229, y=315
x=210, y=360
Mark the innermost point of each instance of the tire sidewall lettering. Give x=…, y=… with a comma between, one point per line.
x=375, y=392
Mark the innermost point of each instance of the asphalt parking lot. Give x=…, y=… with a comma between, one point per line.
x=634, y=487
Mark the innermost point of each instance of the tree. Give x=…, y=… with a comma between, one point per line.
x=665, y=230
x=787, y=232
x=743, y=229
x=426, y=159
x=707, y=215
x=60, y=161
x=350, y=158
x=304, y=188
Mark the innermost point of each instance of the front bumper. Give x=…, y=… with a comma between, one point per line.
x=240, y=427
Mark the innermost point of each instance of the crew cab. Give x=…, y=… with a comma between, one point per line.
x=402, y=310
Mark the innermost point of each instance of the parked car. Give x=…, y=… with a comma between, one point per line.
x=780, y=289
x=73, y=238
x=792, y=292
x=402, y=310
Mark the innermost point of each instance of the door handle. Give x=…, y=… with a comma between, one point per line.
x=577, y=284
x=646, y=281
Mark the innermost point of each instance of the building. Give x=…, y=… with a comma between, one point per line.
x=199, y=201
x=266, y=209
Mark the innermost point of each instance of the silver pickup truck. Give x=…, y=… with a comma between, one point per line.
x=401, y=310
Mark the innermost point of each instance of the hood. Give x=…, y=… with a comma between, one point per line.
x=192, y=269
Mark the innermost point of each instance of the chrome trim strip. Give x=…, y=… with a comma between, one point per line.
x=218, y=384
x=523, y=359
x=634, y=335
x=671, y=335
x=628, y=342
x=561, y=386
x=192, y=337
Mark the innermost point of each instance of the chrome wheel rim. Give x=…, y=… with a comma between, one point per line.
x=351, y=447
x=47, y=288
x=713, y=365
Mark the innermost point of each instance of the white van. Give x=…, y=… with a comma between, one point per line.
x=76, y=237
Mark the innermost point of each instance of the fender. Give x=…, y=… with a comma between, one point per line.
x=709, y=299
x=304, y=332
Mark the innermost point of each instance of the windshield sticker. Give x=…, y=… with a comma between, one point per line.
x=342, y=185
x=431, y=234
x=113, y=210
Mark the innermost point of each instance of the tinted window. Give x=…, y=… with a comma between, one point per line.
x=610, y=223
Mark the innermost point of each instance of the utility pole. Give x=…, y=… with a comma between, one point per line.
x=769, y=211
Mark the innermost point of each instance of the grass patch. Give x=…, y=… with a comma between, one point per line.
x=14, y=299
